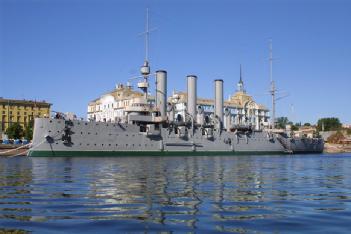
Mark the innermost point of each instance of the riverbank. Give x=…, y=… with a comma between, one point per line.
x=336, y=148
x=11, y=150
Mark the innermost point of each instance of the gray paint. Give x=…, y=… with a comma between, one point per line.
x=218, y=105
x=99, y=136
x=192, y=95
x=227, y=119
x=161, y=92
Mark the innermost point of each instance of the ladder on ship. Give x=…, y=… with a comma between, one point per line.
x=287, y=149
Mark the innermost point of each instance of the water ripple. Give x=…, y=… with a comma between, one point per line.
x=251, y=194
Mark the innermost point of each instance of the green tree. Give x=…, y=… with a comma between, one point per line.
x=282, y=122
x=307, y=124
x=329, y=124
x=15, y=131
x=28, y=132
x=294, y=127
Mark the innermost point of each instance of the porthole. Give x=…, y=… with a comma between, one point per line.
x=86, y=123
x=109, y=144
x=81, y=133
x=88, y=133
x=102, y=144
x=50, y=121
x=49, y=130
x=88, y=144
x=95, y=144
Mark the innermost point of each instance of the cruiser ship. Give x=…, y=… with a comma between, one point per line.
x=179, y=125
x=130, y=123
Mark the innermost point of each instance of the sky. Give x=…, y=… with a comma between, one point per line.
x=69, y=52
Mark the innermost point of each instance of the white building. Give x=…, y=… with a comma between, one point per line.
x=240, y=108
x=111, y=106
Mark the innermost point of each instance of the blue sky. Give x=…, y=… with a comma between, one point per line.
x=69, y=52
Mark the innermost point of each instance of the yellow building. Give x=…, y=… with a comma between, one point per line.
x=21, y=111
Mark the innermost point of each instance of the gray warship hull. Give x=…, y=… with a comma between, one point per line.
x=58, y=137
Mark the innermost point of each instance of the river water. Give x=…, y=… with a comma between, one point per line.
x=240, y=194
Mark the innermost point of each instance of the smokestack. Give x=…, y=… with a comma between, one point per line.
x=161, y=92
x=218, y=104
x=192, y=96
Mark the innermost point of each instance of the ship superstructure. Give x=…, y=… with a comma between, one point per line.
x=159, y=128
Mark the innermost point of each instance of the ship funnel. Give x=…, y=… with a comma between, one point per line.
x=161, y=92
x=192, y=95
x=218, y=104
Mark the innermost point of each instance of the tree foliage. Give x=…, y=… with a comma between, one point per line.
x=15, y=131
x=28, y=132
x=329, y=124
x=282, y=122
x=294, y=127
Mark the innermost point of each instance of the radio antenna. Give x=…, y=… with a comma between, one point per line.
x=273, y=89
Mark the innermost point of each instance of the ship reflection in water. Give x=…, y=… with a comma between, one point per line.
x=176, y=194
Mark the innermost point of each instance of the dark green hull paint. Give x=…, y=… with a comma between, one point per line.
x=144, y=153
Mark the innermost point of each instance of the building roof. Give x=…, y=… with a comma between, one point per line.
x=7, y=101
x=121, y=92
x=238, y=100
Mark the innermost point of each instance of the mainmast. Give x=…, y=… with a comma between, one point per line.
x=273, y=89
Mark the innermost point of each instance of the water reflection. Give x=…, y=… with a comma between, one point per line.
x=187, y=194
